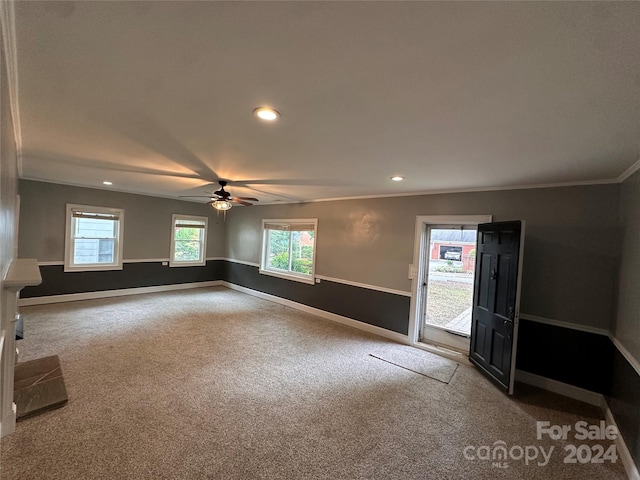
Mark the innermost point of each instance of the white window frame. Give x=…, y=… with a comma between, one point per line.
x=175, y=219
x=69, y=265
x=299, y=277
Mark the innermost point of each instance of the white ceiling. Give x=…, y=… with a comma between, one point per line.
x=157, y=97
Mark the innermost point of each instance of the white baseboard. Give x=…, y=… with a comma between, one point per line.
x=621, y=447
x=382, y=332
x=564, y=389
x=73, y=297
x=591, y=398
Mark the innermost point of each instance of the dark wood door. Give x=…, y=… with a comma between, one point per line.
x=496, y=300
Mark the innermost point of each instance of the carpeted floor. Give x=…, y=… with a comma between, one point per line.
x=216, y=384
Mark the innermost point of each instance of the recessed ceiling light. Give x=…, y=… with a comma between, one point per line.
x=107, y=183
x=397, y=178
x=266, y=113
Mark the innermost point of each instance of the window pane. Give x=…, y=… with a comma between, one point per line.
x=93, y=251
x=94, y=228
x=302, y=252
x=188, y=244
x=187, y=250
x=278, y=253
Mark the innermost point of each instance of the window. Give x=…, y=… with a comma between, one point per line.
x=288, y=249
x=94, y=238
x=188, y=241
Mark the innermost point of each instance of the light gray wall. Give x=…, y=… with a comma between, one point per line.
x=147, y=225
x=570, y=250
x=627, y=323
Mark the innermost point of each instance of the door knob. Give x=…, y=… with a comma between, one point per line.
x=493, y=273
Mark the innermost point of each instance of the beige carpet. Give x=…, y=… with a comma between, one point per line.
x=215, y=384
x=418, y=361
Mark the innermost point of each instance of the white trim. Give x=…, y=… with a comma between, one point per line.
x=73, y=297
x=601, y=181
x=130, y=260
x=134, y=260
x=287, y=274
x=334, y=280
x=382, y=332
x=70, y=239
x=242, y=262
x=621, y=447
x=626, y=354
x=444, y=352
x=564, y=389
x=51, y=264
x=560, y=323
x=629, y=171
x=9, y=39
x=365, y=285
x=145, y=260
x=202, y=260
x=111, y=188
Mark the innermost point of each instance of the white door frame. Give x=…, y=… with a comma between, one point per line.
x=418, y=267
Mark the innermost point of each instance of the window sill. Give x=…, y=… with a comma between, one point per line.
x=289, y=276
x=187, y=264
x=92, y=268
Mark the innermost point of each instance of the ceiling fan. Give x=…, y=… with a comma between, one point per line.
x=222, y=200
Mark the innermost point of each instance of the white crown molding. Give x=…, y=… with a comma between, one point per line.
x=602, y=181
x=629, y=171
x=586, y=183
x=7, y=18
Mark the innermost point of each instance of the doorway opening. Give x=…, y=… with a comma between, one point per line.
x=442, y=295
x=448, y=285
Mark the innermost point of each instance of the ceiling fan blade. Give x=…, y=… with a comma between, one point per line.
x=241, y=202
x=251, y=199
x=196, y=196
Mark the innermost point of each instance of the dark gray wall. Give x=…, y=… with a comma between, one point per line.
x=147, y=226
x=570, y=249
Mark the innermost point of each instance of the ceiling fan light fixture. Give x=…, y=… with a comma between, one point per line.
x=221, y=205
x=266, y=114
